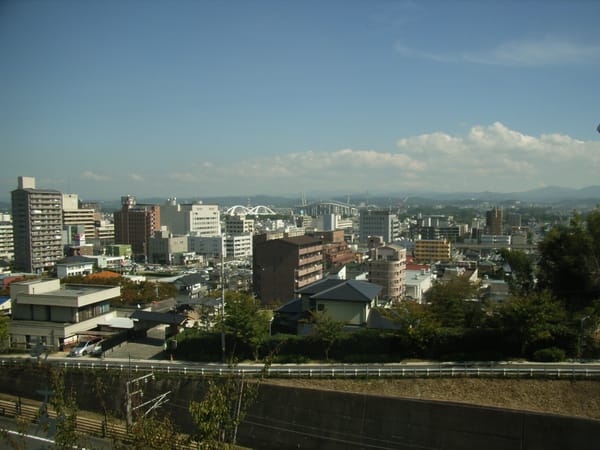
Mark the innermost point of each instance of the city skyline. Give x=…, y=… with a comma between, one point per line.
x=199, y=99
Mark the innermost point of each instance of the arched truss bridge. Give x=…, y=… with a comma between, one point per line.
x=259, y=210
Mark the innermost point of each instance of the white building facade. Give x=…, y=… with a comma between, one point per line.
x=45, y=312
x=191, y=218
x=6, y=237
x=238, y=245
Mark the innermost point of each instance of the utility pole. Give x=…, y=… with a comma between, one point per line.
x=223, y=299
x=153, y=403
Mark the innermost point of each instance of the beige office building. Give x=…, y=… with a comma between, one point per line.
x=432, y=250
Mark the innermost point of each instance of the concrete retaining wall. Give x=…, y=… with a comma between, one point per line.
x=293, y=418
x=311, y=419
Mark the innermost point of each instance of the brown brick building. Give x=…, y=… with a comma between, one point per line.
x=282, y=266
x=136, y=224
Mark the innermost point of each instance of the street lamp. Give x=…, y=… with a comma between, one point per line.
x=222, y=299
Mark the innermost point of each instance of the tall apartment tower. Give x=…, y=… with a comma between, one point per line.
x=7, y=249
x=387, y=267
x=283, y=266
x=37, y=226
x=196, y=219
x=382, y=223
x=135, y=225
x=494, y=221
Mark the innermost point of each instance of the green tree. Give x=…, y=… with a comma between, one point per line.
x=245, y=321
x=569, y=264
x=222, y=409
x=65, y=405
x=534, y=321
x=521, y=280
x=416, y=321
x=154, y=433
x=326, y=329
x=451, y=303
x=4, y=332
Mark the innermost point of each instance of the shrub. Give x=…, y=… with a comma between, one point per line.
x=550, y=354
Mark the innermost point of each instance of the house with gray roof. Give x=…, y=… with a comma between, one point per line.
x=189, y=287
x=348, y=301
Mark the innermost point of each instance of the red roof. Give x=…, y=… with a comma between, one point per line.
x=104, y=274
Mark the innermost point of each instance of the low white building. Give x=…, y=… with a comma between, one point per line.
x=417, y=283
x=45, y=312
x=74, y=266
x=111, y=262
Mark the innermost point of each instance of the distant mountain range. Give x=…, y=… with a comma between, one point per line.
x=551, y=195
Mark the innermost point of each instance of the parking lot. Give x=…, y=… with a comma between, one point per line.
x=149, y=347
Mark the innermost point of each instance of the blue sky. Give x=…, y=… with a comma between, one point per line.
x=205, y=98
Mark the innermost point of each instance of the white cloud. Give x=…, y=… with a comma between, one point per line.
x=492, y=157
x=89, y=175
x=136, y=177
x=528, y=53
x=497, y=158
x=543, y=52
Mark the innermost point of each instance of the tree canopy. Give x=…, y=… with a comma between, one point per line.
x=569, y=263
x=245, y=321
x=326, y=329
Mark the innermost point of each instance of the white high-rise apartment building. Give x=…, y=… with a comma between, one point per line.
x=37, y=226
x=196, y=219
x=6, y=237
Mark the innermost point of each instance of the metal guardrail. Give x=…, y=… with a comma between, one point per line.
x=329, y=371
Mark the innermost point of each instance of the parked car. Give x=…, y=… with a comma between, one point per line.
x=86, y=347
x=98, y=348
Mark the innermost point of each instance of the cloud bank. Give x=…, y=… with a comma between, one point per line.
x=484, y=158
x=493, y=158
x=542, y=52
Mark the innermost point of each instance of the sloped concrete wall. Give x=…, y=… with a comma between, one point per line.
x=285, y=418
x=294, y=418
